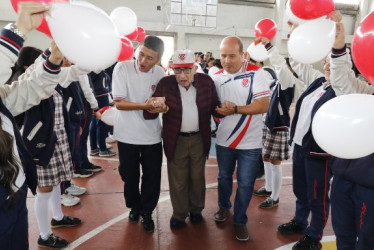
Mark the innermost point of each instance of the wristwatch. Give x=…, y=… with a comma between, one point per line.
x=12, y=27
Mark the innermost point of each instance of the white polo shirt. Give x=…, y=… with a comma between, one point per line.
x=242, y=88
x=128, y=83
x=190, y=114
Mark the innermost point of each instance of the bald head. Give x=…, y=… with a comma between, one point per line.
x=231, y=50
x=232, y=42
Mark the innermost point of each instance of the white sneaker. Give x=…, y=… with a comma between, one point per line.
x=75, y=190
x=68, y=200
x=110, y=138
x=108, y=146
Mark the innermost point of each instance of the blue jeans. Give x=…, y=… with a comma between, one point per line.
x=82, y=149
x=247, y=161
x=98, y=129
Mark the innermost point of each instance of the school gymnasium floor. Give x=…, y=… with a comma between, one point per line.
x=105, y=222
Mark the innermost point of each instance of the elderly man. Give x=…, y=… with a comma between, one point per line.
x=244, y=91
x=187, y=101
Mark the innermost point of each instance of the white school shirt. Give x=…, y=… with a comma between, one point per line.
x=305, y=114
x=128, y=83
x=190, y=114
x=240, y=131
x=8, y=127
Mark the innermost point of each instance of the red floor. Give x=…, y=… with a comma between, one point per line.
x=105, y=217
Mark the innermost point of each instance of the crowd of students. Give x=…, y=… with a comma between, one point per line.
x=47, y=94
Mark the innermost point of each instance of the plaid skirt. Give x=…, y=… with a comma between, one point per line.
x=60, y=166
x=275, y=144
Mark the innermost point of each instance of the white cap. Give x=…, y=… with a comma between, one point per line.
x=183, y=59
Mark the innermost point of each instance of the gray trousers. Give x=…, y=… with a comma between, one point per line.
x=186, y=174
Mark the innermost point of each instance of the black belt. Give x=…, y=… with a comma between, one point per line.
x=187, y=134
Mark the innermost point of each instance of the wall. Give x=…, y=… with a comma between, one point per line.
x=231, y=20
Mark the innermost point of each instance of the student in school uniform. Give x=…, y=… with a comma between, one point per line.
x=18, y=171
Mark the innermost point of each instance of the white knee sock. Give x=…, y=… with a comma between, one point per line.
x=56, y=203
x=268, y=176
x=276, y=181
x=41, y=212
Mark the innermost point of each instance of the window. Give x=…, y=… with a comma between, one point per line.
x=202, y=13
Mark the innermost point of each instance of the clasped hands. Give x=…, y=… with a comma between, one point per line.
x=226, y=108
x=156, y=105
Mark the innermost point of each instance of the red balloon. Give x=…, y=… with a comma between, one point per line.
x=141, y=35
x=127, y=50
x=132, y=36
x=363, y=46
x=266, y=28
x=311, y=9
x=43, y=27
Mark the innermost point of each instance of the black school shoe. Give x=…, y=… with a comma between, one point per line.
x=53, y=241
x=269, y=203
x=196, y=218
x=148, y=224
x=291, y=228
x=262, y=192
x=66, y=221
x=176, y=224
x=134, y=216
x=307, y=243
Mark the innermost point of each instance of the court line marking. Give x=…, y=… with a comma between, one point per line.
x=123, y=216
x=115, y=220
x=324, y=239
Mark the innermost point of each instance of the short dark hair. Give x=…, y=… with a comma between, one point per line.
x=254, y=62
x=217, y=63
x=156, y=44
x=211, y=59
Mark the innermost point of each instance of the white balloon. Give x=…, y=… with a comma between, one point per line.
x=125, y=19
x=343, y=126
x=312, y=41
x=291, y=16
x=257, y=52
x=108, y=116
x=89, y=5
x=136, y=54
x=85, y=36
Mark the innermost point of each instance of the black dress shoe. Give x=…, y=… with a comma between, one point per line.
x=148, y=224
x=134, y=216
x=53, y=241
x=307, y=243
x=291, y=228
x=262, y=192
x=176, y=224
x=66, y=221
x=196, y=218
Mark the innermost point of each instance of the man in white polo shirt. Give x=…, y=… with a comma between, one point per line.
x=244, y=93
x=139, y=140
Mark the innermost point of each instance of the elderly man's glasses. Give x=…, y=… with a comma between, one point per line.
x=180, y=70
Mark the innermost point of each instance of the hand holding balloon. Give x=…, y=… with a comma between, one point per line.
x=30, y=15
x=335, y=16
x=340, y=36
x=56, y=56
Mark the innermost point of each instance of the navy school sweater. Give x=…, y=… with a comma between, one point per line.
x=38, y=133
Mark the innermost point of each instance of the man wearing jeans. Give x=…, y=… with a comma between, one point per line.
x=244, y=93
